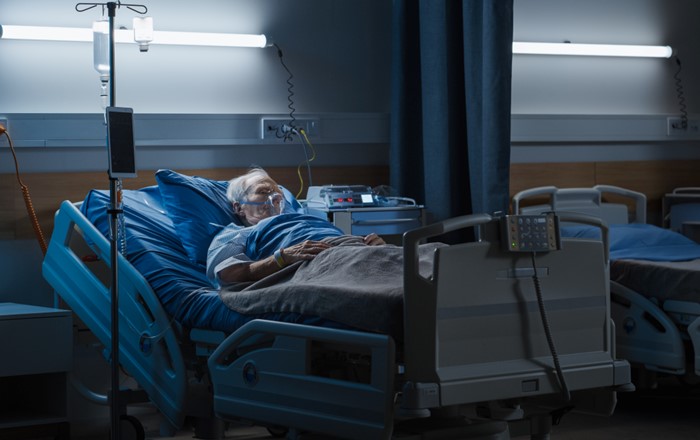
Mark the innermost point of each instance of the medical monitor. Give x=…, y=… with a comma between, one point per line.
x=120, y=142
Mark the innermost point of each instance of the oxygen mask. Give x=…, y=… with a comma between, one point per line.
x=273, y=204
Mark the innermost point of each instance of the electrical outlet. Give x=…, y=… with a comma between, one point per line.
x=278, y=128
x=675, y=127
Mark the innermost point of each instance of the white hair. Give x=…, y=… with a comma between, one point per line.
x=238, y=186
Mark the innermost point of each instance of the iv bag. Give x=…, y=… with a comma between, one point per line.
x=100, y=47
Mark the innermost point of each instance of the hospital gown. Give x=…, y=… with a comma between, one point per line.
x=237, y=244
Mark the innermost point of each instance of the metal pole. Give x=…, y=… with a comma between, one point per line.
x=115, y=208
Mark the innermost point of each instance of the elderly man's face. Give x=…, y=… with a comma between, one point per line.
x=263, y=199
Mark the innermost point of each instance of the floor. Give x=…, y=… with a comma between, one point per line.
x=669, y=414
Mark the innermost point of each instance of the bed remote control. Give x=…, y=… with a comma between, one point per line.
x=531, y=233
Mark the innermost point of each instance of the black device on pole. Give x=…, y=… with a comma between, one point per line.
x=120, y=142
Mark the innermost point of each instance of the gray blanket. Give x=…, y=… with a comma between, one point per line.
x=352, y=284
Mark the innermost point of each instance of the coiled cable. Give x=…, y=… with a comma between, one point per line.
x=27, y=197
x=288, y=135
x=681, y=95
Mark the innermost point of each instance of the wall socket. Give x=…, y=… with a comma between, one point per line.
x=276, y=127
x=674, y=127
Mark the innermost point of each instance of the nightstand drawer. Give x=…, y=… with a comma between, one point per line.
x=382, y=221
x=34, y=340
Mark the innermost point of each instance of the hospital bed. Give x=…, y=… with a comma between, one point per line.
x=472, y=355
x=655, y=277
x=681, y=211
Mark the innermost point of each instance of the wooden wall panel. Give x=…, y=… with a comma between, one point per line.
x=530, y=175
x=48, y=190
x=653, y=178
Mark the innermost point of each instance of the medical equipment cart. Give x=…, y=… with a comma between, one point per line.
x=36, y=352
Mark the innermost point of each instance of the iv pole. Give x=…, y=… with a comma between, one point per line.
x=114, y=211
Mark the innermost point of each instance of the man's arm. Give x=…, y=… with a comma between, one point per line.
x=257, y=270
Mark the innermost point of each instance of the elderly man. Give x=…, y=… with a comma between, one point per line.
x=268, y=235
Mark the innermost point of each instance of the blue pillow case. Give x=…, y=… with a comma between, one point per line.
x=641, y=242
x=199, y=209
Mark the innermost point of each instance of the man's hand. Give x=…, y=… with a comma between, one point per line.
x=373, y=239
x=305, y=250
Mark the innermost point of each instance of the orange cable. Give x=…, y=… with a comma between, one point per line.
x=27, y=198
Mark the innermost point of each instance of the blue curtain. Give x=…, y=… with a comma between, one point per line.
x=450, y=114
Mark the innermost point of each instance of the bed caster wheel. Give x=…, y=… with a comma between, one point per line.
x=277, y=431
x=130, y=428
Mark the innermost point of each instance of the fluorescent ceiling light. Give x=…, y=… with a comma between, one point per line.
x=609, y=50
x=47, y=33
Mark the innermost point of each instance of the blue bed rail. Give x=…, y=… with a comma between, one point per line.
x=149, y=349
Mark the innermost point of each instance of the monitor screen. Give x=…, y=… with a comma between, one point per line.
x=120, y=142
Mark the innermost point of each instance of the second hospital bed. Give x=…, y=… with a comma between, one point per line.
x=470, y=338
x=655, y=276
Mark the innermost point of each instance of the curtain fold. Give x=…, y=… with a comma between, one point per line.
x=450, y=120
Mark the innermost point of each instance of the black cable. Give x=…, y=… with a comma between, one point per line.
x=681, y=95
x=290, y=98
x=548, y=332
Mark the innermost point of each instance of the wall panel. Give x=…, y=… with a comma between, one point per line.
x=48, y=190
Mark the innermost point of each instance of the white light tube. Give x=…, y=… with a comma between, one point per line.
x=45, y=33
x=606, y=50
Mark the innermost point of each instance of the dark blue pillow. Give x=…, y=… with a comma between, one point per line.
x=199, y=209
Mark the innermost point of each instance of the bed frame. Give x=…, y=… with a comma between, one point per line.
x=474, y=345
x=681, y=211
x=658, y=338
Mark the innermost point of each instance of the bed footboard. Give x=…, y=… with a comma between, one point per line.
x=476, y=334
x=149, y=348
x=336, y=382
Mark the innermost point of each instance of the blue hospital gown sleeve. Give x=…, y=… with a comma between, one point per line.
x=226, y=249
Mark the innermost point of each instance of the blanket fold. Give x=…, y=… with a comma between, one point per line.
x=352, y=284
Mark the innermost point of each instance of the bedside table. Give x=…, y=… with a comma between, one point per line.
x=389, y=222
x=36, y=352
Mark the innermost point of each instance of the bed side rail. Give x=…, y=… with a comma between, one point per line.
x=531, y=193
x=148, y=345
x=295, y=375
x=645, y=334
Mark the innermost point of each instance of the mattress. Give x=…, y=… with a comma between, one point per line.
x=660, y=280
x=155, y=250
x=655, y=262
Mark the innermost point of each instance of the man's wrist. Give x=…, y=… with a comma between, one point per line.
x=279, y=258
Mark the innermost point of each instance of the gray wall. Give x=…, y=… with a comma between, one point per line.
x=555, y=99
x=336, y=49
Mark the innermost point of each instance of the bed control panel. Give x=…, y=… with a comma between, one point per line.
x=531, y=233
